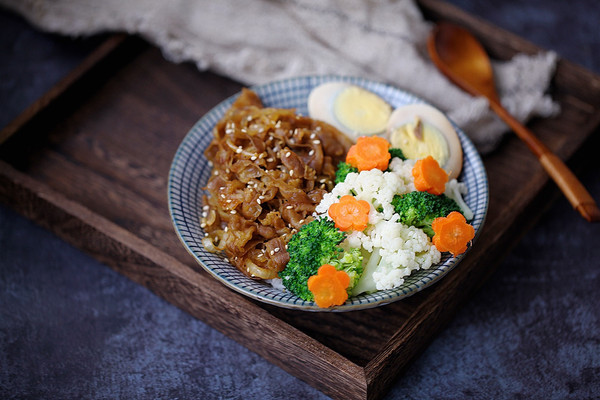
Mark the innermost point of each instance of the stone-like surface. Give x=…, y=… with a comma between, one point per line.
x=70, y=327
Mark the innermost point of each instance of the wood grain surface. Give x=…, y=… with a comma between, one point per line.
x=91, y=163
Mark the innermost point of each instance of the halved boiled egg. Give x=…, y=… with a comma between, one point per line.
x=421, y=130
x=352, y=109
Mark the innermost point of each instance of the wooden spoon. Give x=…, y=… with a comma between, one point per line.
x=460, y=57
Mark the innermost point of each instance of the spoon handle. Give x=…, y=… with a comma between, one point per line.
x=564, y=178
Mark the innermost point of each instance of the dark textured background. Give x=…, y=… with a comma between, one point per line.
x=70, y=327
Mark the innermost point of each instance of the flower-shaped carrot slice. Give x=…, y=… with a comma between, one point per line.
x=350, y=213
x=452, y=233
x=369, y=152
x=429, y=176
x=329, y=286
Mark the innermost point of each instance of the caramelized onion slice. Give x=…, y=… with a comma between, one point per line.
x=265, y=160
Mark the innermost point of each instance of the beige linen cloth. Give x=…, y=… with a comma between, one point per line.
x=263, y=40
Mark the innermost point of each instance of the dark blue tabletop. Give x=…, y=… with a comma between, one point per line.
x=71, y=327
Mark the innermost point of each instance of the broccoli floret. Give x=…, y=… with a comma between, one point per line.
x=419, y=209
x=343, y=169
x=315, y=244
x=351, y=262
x=396, y=152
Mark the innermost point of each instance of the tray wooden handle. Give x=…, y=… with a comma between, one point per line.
x=564, y=178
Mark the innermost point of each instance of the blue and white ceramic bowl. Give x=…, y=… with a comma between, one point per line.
x=190, y=171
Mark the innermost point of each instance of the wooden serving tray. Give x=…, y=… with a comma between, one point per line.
x=90, y=161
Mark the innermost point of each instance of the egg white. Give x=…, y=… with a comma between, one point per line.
x=334, y=103
x=436, y=119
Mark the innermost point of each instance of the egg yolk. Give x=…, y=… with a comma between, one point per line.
x=361, y=111
x=419, y=140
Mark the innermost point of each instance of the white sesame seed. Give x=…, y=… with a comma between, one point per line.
x=276, y=250
x=289, y=153
x=258, y=201
x=301, y=221
x=226, y=229
x=204, y=214
x=206, y=207
x=238, y=150
x=316, y=141
x=228, y=201
x=222, y=195
x=291, y=172
x=233, y=212
x=311, y=152
x=313, y=135
x=253, y=158
x=270, y=159
x=271, y=252
x=203, y=225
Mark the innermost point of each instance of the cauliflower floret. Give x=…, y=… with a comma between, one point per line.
x=403, y=168
x=456, y=190
x=401, y=249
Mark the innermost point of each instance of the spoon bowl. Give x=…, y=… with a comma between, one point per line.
x=460, y=55
x=463, y=60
